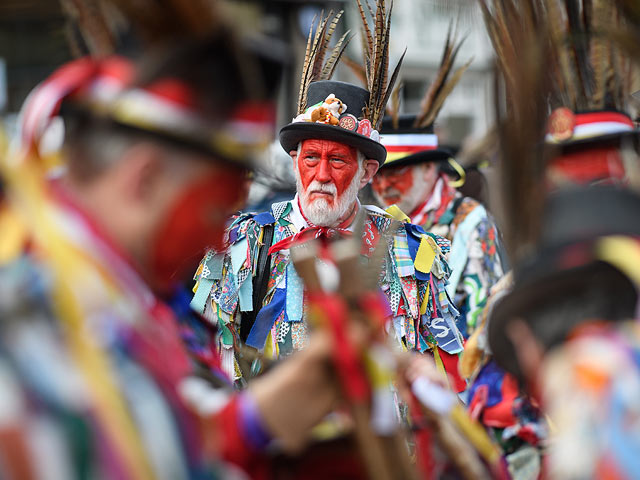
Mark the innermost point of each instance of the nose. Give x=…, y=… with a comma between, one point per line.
x=323, y=171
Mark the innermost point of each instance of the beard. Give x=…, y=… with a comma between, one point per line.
x=325, y=213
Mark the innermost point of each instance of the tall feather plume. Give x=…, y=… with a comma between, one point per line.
x=589, y=69
x=394, y=108
x=522, y=43
x=158, y=21
x=90, y=18
x=314, y=67
x=444, y=82
x=584, y=69
x=357, y=68
x=376, y=37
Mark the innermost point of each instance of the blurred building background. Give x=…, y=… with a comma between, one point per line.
x=35, y=34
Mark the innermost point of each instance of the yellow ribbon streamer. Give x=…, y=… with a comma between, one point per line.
x=426, y=254
x=71, y=268
x=461, y=173
x=623, y=253
x=398, y=214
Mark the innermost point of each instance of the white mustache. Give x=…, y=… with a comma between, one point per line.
x=316, y=186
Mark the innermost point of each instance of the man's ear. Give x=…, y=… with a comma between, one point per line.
x=370, y=169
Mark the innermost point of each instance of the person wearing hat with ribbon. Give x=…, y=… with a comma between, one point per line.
x=567, y=272
x=252, y=290
x=568, y=331
x=104, y=370
x=412, y=178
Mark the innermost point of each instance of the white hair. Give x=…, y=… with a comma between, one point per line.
x=320, y=212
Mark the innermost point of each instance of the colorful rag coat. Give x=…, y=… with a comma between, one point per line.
x=474, y=258
x=495, y=399
x=590, y=388
x=96, y=373
x=413, y=278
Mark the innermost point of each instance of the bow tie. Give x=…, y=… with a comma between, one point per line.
x=309, y=233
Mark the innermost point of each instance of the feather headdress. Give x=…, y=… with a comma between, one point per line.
x=315, y=67
x=519, y=38
x=551, y=54
x=376, y=36
x=410, y=139
x=443, y=84
x=588, y=70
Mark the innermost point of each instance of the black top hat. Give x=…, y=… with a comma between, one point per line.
x=325, y=121
x=408, y=145
x=567, y=260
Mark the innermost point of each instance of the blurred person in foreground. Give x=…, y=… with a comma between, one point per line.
x=561, y=132
x=104, y=371
x=416, y=178
x=568, y=331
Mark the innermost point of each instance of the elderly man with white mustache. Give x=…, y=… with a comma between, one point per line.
x=252, y=291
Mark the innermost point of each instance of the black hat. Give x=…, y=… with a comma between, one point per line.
x=408, y=145
x=567, y=260
x=326, y=118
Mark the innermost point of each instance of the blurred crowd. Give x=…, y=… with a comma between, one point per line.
x=189, y=289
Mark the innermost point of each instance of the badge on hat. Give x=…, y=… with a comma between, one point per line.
x=364, y=128
x=349, y=122
x=562, y=123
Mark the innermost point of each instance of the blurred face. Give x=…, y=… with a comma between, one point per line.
x=193, y=221
x=328, y=178
x=407, y=187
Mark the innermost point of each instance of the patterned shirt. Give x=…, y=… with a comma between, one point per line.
x=590, y=391
x=474, y=258
x=422, y=315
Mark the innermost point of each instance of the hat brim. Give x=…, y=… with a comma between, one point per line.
x=611, y=138
x=294, y=133
x=545, y=283
x=437, y=155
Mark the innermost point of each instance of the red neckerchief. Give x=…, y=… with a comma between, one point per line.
x=311, y=232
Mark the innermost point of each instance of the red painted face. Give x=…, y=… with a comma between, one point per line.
x=326, y=162
x=393, y=183
x=587, y=166
x=195, y=221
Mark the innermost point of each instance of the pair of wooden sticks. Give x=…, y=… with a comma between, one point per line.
x=385, y=457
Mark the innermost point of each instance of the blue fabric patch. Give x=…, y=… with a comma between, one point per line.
x=264, y=218
x=214, y=264
x=265, y=319
x=414, y=237
x=238, y=253
x=295, y=294
x=443, y=333
x=245, y=295
x=202, y=293
x=492, y=376
x=424, y=346
x=233, y=235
